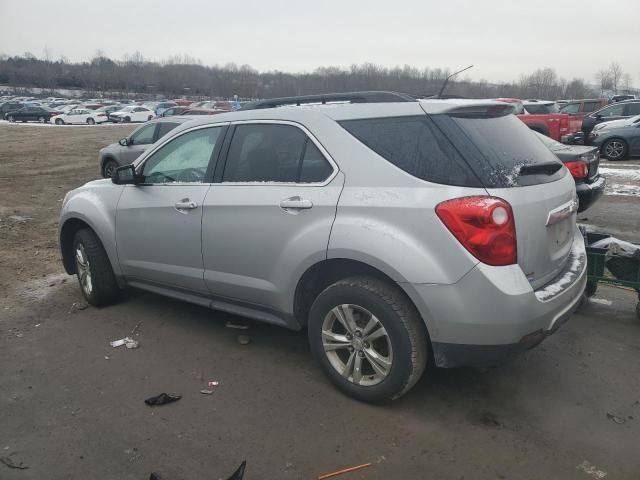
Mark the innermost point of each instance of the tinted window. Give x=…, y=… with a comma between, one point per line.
x=165, y=127
x=613, y=111
x=571, y=108
x=183, y=159
x=590, y=106
x=633, y=109
x=417, y=146
x=541, y=108
x=314, y=167
x=144, y=136
x=498, y=147
x=265, y=153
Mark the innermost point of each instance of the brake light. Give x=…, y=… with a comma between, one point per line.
x=564, y=123
x=484, y=226
x=578, y=168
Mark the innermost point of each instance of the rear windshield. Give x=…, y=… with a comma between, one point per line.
x=538, y=108
x=461, y=150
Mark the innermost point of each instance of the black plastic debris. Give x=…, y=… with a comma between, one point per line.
x=154, y=476
x=11, y=463
x=239, y=473
x=163, y=398
x=615, y=418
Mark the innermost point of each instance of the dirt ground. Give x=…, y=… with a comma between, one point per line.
x=71, y=406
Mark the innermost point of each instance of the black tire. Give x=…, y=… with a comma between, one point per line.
x=91, y=121
x=615, y=149
x=150, y=117
x=127, y=119
x=590, y=289
x=11, y=118
x=104, y=288
x=108, y=168
x=405, y=330
x=59, y=121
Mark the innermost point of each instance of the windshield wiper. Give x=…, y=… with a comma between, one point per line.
x=548, y=168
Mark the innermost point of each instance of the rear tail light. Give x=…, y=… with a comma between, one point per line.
x=564, y=123
x=578, y=168
x=484, y=226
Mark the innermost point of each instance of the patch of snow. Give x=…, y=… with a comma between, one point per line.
x=578, y=261
x=622, y=189
x=40, y=288
x=633, y=175
x=601, y=301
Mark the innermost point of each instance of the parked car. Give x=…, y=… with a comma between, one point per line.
x=31, y=113
x=182, y=102
x=109, y=109
x=67, y=108
x=129, y=148
x=542, y=117
x=396, y=233
x=616, y=123
x=621, y=98
x=202, y=111
x=82, y=116
x=132, y=113
x=582, y=162
x=616, y=111
x=580, y=108
x=162, y=106
x=92, y=106
x=178, y=110
x=9, y=106
x=618, y=143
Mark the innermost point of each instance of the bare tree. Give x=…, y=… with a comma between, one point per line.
x=616, y=73
x=626, y=82
x=603, y=77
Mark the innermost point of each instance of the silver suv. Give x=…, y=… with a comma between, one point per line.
x=398, y=232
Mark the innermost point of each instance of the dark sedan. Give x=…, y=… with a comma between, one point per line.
x=616, y=111
x=31, y=113
x=617, y=143
x=177, y=110
x=582, y=163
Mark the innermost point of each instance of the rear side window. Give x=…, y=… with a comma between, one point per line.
x=274, y=153
x=415, y=145
x=164, y=128
x=571, y=108
x=633, y=109
x=541, y=108
x=590, y=106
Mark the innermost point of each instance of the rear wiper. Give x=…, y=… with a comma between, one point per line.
x=548, y=168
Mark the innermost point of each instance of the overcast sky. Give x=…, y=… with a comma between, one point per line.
x=503, y=38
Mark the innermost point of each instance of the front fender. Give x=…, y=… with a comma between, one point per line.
x=94, y=204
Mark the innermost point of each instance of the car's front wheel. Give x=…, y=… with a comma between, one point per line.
x=615, y=149
x=368, y=338
x=90, y=121
x=93, y=269
x=11, y=118
x=108, y=168
x=59, y=121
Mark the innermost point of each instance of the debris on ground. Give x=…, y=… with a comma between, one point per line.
x=490, y=420
x=135, y=329
x=213, y=383
x=239, y=326
x=244, y=339
x=127, y=341
x=239, y=473
x=210, y=390
x=163, y=398
x=615, y=418
x=204, y=391
x=154, y=476
x=11, y=463
x=343, y=471
x=589, y=469
x=77, y=306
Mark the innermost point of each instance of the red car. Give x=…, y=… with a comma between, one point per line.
x=543, y=117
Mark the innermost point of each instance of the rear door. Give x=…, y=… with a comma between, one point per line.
x=159, y=222
x=515, y=166
x=270, y=215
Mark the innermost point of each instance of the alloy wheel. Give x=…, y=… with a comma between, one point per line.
x=357, y=345
x=614, y=149
x=84, y=269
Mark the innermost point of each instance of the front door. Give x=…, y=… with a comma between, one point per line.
x=270, y=216
x=159, y=222
x=139, y=142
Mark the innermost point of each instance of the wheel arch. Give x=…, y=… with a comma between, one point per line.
x=326, y=272
x=104, y=160
x=616, y=137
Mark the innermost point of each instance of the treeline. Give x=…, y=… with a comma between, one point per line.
x=185, y=76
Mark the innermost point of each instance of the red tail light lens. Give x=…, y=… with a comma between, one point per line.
x=578, y=169
x=564, y=123
x=484, y=226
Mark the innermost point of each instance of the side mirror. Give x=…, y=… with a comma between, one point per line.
x=125, y=175
x=124, y=142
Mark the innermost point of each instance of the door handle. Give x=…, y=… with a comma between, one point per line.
x=185, y=204
x=296, y=203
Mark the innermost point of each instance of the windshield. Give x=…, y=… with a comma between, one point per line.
x=541, y=108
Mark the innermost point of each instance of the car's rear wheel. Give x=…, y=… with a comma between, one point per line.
x=368, y=338
x=59, y=121
x=127, y=119
x=90, y=121
x=615, y=149
x=108, y=168
x=42, y=120
x=11, y=118
x=93, y=268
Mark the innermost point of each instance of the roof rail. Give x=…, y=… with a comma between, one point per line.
x=353, y=97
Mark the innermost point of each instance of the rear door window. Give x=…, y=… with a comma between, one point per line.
x=415, y=145
x=590, y=107
x=632, y=109
x=279, y=153
x=612, y=111
x=164, y=128
x=144, y=136
x=572, y=108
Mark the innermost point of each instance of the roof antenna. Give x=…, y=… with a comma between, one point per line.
x=444, y=85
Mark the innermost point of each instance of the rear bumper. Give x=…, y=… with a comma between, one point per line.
x=493, y=312
x=573, y=138
x=589, y=193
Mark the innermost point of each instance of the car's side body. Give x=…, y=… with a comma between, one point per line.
x=615, y=111
x=580, y=108
x=254, y=247
x=628, y=136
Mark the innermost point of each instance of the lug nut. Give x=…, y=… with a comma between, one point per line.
x=366, y=344
x=360, y=353
x=349, y=336
x=358, y=333
x=351, y=349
